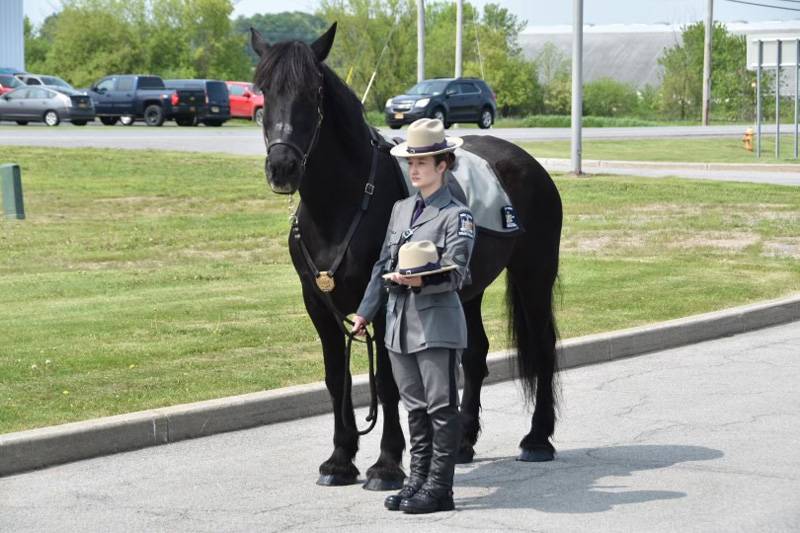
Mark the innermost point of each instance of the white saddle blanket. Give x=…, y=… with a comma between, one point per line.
x=477, y=186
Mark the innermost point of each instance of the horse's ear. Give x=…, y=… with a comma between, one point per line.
x=323, y=45
x=260, y=46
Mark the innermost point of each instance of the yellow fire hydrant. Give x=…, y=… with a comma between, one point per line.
x=747, y=139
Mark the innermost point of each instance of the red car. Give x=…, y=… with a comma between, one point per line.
x=8, y=83
x=246, y=101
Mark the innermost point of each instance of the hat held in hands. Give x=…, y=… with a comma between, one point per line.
x=419, y=258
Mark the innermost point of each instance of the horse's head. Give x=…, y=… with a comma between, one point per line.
x=290, y=76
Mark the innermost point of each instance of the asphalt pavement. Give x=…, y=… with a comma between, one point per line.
x=244, y=140
x=698, y=438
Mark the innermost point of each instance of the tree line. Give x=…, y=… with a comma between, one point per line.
x=88, y=39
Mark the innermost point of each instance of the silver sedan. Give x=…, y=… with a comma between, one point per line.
x=40, y=104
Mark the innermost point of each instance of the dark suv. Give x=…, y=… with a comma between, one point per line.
x=448, y=99
x=217, y=107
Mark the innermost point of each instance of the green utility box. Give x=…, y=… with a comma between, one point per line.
x=11, y=179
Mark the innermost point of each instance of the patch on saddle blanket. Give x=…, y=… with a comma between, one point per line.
x=479, y=188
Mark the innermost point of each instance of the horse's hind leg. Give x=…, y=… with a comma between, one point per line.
x=387, y=472
x=473, y=362
x=338, y=469
x=530, y=306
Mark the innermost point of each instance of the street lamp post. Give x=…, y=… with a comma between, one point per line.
x=577, y=84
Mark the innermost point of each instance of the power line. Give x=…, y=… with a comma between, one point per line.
x=764, y=5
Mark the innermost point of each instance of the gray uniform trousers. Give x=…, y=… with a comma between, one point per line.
x=427, y=379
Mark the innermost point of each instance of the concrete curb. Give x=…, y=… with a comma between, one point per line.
x=555, y=163
x=39, y=448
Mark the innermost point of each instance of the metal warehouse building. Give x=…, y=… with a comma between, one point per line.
x=12, y=37
x=629, y=52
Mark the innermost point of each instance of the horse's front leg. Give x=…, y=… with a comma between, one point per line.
x=387, y=472
x=338, y=469
x=473, y=362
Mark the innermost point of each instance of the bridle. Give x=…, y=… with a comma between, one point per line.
x=303, y=155
x=323, y=280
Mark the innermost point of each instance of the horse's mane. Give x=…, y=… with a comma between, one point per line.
x=344, y=105
x=289, y=67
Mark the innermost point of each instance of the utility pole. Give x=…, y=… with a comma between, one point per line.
x=420, y=40
x=707, y=62
x=459, y=26
x=577, y=83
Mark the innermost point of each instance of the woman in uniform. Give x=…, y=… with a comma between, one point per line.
x=425, y=325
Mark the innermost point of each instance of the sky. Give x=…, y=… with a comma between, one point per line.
x=543, y=12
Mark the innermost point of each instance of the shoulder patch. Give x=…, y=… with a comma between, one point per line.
x=466, y=225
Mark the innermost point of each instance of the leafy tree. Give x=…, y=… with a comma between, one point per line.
x=682, y=85
x=488, y=45
x=551, y=62
x=609, y=98
x=38, y=42
x=558, y=95
x=172, y=38
x=365, y=28
x=277, y=27
x=93, y=38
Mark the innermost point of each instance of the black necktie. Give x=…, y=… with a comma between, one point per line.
x=418, y=208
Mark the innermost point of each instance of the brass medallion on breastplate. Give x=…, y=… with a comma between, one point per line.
x=325, y=281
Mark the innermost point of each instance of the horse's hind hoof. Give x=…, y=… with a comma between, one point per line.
x=536, y=456
x=336, y=480
x=383, y=484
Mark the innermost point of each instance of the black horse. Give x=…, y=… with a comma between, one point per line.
x=318, y=143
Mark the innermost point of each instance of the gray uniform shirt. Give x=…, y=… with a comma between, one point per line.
x=431, y=316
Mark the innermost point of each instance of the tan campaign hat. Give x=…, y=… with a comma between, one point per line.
x=426, y=137
x=419, y=258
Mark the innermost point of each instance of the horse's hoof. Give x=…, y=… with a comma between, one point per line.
x=383, y=484
x=336, y=480
x=465, y=456
x=536, y=456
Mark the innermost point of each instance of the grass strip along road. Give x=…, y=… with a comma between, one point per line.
x=145, y=279
x=694, y=150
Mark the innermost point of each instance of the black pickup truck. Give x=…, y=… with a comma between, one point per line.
x=143, y=97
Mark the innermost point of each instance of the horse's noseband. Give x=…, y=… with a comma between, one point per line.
x=303, y=155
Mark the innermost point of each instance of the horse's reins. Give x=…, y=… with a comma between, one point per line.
x=324, y=281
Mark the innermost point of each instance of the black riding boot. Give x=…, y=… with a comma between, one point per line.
x=437, y=492
x=420, y=437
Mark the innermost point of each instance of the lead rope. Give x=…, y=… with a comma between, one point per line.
x=372, y=416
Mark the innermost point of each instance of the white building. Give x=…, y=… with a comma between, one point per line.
x=629, y=52
x=12, y=37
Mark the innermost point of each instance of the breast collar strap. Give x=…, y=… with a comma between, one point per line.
x=369, y=191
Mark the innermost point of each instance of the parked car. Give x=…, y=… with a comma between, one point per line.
x=217, y=106
x=42, y=104
x=53, y=82
x=247, y=101
x=448, y=99
x=143, y=97
x=8, y=83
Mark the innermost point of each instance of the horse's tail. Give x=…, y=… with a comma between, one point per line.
x=533, y=333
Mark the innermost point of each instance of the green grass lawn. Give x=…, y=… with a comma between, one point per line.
x=145, y=279
x=692, y=149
